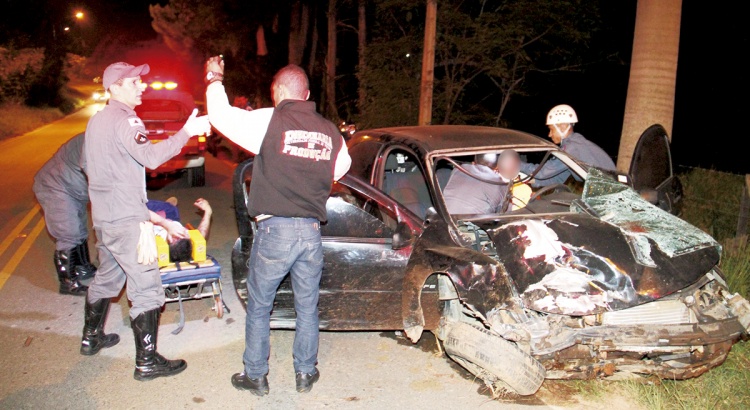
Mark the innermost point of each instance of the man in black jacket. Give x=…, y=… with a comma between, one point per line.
x=298, y=156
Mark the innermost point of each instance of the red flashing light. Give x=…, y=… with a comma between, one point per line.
x=158, y=85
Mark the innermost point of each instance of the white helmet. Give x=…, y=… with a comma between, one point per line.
x=561, y=114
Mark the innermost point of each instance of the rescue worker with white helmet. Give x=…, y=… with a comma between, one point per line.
x=560, y=120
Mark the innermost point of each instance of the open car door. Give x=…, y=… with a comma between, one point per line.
x=651, y=170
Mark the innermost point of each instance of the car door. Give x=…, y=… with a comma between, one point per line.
x=651, y=170
x=362, y=278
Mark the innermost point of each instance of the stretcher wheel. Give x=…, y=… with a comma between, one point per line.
x=218, y=303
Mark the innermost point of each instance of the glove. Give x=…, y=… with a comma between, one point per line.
x=196, y=125
x=147, y=253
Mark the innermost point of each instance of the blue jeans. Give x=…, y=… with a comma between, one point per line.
x=281, y=246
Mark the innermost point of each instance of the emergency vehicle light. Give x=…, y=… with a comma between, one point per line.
x=158, y=85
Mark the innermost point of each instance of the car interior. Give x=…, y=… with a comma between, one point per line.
x=556, y=198
x=405, y=182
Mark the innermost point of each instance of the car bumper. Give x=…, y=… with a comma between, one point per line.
x=178, y=164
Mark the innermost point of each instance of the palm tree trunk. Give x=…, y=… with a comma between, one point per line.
x=653, y=73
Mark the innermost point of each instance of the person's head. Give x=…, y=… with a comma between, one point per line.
x=123, y=81
x=489, y=159
x=560, y=120
x=290, y=83
x=181, y=250
x=509, y=164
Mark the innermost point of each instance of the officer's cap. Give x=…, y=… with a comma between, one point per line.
x=120, y=70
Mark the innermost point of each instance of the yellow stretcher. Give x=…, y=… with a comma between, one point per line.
x=193, y=280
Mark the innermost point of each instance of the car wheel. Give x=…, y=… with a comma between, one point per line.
x=493, y=358
x=197, y=176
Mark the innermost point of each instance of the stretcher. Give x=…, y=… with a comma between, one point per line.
x=193, y=280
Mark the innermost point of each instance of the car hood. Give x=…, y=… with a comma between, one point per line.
x=613, y=251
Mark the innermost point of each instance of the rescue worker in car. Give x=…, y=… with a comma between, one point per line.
x=560, y=121
x=478, y=189
x=61, y=188
x=116, y=152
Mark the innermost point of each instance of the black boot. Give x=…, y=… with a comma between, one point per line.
x=69, y=281
x=148, y=363
x=94, y=338
x=84, y=269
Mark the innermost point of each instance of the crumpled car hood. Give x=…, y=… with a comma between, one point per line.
x=614, y=251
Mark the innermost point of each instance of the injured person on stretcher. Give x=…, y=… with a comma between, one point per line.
x=166, y=219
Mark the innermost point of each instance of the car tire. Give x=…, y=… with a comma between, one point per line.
x=493, y=358
x=197, y=176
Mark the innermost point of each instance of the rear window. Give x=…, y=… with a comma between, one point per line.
x=162, y=110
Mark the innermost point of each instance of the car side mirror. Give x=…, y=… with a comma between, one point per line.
x=403, y=237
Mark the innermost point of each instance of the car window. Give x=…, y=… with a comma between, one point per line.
x=163, y=110
x=352, y=214
x=363, y=157
x=404, y=181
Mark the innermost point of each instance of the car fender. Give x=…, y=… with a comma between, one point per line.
x=480, y=281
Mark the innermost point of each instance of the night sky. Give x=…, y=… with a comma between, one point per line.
x=708, y=118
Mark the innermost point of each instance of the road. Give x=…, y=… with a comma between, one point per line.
x=40, y=329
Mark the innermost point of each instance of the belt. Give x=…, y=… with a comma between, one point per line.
x=262, y=217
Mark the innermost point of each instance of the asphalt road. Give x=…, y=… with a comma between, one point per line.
x=40, y=329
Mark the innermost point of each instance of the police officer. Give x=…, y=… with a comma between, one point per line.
x=61, y=188
x=116, y=153
x=298, y=156
x=560, y=120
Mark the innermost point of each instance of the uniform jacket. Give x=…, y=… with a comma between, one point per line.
x=63, y=174
x=116, y=153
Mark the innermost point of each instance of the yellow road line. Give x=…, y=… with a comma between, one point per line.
x=20, y=253
x=17, y=230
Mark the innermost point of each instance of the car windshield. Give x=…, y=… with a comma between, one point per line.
x=478, y=183
x=162, y=110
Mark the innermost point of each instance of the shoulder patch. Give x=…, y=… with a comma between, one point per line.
x=135, y=121
x=140, y=138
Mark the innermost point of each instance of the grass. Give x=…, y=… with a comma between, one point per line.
x=18, y=119
x=723, y=387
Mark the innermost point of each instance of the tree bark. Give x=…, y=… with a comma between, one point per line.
x=312, y=61
x=361, y=44
x=298, y=26
x=332, y=111
x=260, y=39
x=428, y=64
x=653, y=73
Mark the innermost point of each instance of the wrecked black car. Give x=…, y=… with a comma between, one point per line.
x=596, y=277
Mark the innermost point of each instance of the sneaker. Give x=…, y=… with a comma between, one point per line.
x=305, y=381
x=258, y=387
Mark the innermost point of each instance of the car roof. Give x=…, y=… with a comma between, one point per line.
x=430, y=138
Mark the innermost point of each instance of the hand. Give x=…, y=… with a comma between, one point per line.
x=215, y=64
x=175, y=231
x=196, y=125
x=203, y=205
x=146, y=248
